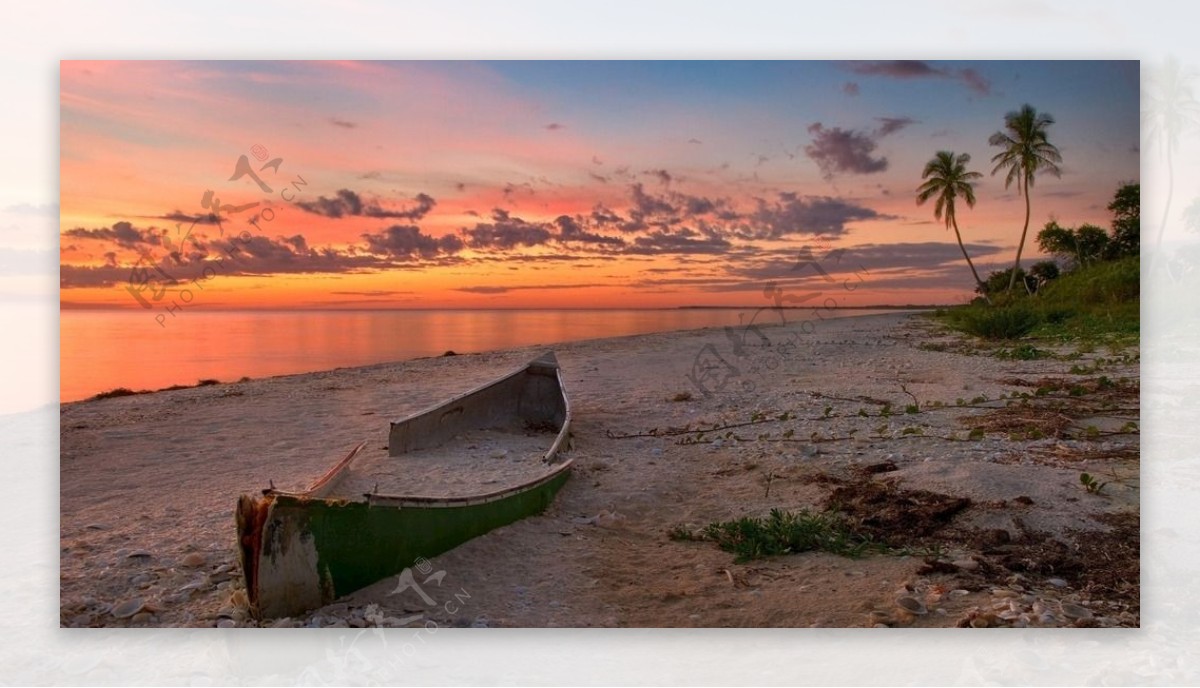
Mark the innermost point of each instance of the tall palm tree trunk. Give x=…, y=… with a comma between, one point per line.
x=1021, y=246
x=982, y=286
x=1166, y=214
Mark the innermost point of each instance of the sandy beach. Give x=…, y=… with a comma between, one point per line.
x=918, y=433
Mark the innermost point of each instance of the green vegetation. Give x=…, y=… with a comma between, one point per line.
x=782, y=532
x=994, y=322
x=1090, y=483
x=1086, y=245
x=1127, y=222
x=1023, y=352
x=1100, y=301
x=1096, y=297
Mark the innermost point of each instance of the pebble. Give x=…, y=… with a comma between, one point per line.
x=139, y=554
x=878, y=618
x=226, y=623
x=194, y=559
x=142, y=617
x=966, y=564
x=128, y=608
x=1057, y=582
x=192, y=587
x=1075, y=611
x=985, y=621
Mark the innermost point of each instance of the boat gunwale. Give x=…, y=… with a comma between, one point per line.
x=373, y=499
x=331, y=476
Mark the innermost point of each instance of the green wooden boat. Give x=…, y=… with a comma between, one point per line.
x=302, y=550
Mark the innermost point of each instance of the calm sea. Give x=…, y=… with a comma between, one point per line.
x=103, y=350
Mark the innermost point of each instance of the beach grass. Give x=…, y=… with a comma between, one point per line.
x=783, y=532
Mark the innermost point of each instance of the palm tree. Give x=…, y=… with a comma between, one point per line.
x=947, y=178
x=1171, y=110
x=1026, y=152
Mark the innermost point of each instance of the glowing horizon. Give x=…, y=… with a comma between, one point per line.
x=557, y=184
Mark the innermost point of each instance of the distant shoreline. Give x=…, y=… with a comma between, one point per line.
x=78, y=307
x=126, y=388
x=907, y=307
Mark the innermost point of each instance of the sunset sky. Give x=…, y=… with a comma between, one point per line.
x=557, y=184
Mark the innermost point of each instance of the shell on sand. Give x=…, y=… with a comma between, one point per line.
x=194, y=559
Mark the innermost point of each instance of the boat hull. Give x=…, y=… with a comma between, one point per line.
x=314, y=551
x=303, y=550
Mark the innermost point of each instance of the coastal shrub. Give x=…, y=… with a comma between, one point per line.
x=118, y=392
x=1091, y=484
x=1009, y=322
x=787, y=532
x=682, y=534
x=1056, y=316
x=1095, y=302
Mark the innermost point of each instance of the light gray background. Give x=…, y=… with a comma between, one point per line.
x=34, y=650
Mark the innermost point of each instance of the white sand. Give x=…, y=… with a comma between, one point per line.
x=149, y=483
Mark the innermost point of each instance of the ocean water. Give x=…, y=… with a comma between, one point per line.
x=103, y=350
